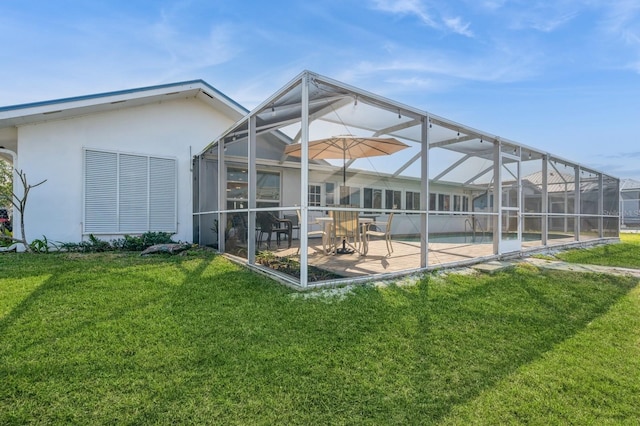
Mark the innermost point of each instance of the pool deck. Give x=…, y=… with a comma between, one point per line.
x=406, y=256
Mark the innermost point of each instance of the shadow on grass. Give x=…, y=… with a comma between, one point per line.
x=203, y=341
x=82, y=293
x=509, y=320
x=387, y=355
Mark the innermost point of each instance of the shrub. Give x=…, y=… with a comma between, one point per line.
x=41, y=245
x=127, y=243
x=152, y=238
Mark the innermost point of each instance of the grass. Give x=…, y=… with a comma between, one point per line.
x=626, y=254
x=116, y=338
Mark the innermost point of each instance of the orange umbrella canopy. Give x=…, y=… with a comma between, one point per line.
x=347, y=147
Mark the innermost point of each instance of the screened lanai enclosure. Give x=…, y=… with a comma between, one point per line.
x=324, y=183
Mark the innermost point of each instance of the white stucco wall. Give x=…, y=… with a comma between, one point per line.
x=8, y=137
x=53, y=150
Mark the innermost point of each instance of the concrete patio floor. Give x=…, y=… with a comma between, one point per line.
x=405, y=256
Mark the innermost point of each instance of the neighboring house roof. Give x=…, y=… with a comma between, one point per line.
x=556, y=182
x=629, y=185
x=17, y=115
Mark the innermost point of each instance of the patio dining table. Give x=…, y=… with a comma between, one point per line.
x=363, y=222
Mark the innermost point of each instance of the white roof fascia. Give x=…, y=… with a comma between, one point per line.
x=69, y=107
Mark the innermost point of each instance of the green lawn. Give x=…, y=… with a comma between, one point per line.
x=113, y=338
x=625, y=254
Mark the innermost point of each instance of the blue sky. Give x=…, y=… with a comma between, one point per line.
x=559, y=75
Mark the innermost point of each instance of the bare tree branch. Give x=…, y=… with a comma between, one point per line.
x=20, y=204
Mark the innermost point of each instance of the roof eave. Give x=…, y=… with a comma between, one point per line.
x=41, y=111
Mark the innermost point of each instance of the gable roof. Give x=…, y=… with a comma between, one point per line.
x=333, y=107
x=629, y=185
x=16, y=115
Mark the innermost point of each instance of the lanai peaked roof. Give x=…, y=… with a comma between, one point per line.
x=336, y=108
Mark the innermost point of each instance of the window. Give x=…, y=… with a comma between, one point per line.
x=444, y=202
x=329, y=189
x=393, y=199
x=237, y=189
x=314, y=195
x=457, y=204
x=349, y=196
x=267, y=189
x=460, y=203
x=268, y=186
x=126, y=193
x=433, y=201
x=372, y=198
x=412, y=200
x=483, y=202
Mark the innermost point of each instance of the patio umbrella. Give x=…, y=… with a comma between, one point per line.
x=347, y=147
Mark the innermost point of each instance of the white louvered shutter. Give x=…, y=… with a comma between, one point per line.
x=133, y=185
x=101, y=191
x=127, y=193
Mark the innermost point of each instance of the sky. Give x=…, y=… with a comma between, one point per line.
x=562, y=76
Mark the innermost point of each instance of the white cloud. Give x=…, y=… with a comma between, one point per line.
x=635, y=66
x=492, y=4
x=547, y=24
x=621, y=16
x=183, y=52
x=621, y=30
x=419, y=9
x=406, y=7
x=458, y=26
x=502, y=65
x=539, y=15
x=418, y=83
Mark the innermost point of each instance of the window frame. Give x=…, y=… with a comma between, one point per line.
x=444, y=200
x=412, y=195
x=389, y=201
x=260, y=202
x=317, y=195
x=116, y=226
x=373, y=192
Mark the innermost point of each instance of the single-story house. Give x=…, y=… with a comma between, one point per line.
x=115, y=163
x=322, y=183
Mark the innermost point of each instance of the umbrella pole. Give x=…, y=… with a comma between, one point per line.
x=344, y=167
x=344, y=249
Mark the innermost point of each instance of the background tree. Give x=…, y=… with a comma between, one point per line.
x=18, y=201
x=6, y=181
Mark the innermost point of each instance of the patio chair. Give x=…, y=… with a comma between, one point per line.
x=321, y=232
x=295, y=222
x=239, y=228
x=346, y=231
x=386, y=234
x=269, y=224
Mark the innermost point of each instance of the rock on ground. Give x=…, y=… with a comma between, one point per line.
x=165, y=248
